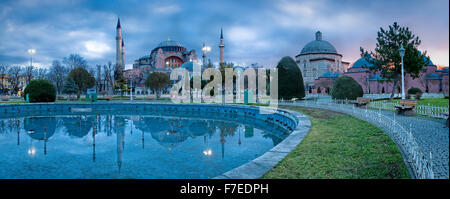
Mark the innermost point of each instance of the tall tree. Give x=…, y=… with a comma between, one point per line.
x=386, y=58
x=57, y=75
x=74, y=61
x=3, y=77
x=109, y=78
x=82, y=78
x=157, y=82
x=290, y=79
x=28, y=73
x=14, y=77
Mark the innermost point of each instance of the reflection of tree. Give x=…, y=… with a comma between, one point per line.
x=275, y=139
x=40, y=128
x=78, y=126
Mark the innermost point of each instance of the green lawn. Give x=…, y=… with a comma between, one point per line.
x=340, y=146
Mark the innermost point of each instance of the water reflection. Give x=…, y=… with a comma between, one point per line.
x=170, y=132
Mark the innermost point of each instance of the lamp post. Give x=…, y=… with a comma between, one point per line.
x=31, y=52
x=402, y=54
x=131, y=89
x=205, y=49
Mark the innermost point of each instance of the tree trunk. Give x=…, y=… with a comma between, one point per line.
x=393, y=89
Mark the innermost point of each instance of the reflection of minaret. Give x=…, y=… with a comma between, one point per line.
x=221, y=46
x=120, y=133
x=94, y=127
x=239, y=142
x=45, y=139
x=222, y=142
x=143, y=144
x=18, y=132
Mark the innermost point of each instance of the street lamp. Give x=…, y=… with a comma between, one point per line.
x=205, y=49
x=402, y=54
x=31, y=52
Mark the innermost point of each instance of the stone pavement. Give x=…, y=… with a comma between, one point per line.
x=430, y=134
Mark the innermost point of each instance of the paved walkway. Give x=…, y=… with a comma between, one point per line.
x=430, y=134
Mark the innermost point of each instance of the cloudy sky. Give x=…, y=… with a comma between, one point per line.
x=259, y=31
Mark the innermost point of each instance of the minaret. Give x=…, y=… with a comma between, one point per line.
x=123, y=54
x=119, y=43
x=221, y=46
x=204, y=56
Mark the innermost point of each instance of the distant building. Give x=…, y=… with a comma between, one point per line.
x=430, y=80
x=317, y=58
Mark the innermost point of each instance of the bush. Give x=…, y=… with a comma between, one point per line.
x=346, y=88
x=40, y=90
x=413, y=91
x=290, y=80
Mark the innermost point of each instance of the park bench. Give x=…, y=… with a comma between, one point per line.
x=361, y=101
x=5, y=98
x=71, y=98
x=446, y=122
x=108, y=98
x=406, y=107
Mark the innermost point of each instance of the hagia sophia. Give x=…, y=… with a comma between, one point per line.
x=319, y=61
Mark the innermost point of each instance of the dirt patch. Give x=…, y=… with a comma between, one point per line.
x=315, y=112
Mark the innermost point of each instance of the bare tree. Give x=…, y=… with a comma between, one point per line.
x=3, y=77
x=28, y=73
x=57, y=75
x=99, y=78
x=74, y=61
x=109, y=80
x=40, y=73
x=15, y=74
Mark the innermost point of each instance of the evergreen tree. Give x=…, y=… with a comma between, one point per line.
x=290, y=80
x=70, y=87
x=386, y=58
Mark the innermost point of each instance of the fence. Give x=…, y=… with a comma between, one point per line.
x=418, y=163
x=428, y=110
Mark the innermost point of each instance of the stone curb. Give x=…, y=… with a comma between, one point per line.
x=259, y=166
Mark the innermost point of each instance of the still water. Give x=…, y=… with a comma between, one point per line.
x=123, y=145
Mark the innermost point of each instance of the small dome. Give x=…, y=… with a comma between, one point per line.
x=362, y=62
x=318, y=46
x=189, y=66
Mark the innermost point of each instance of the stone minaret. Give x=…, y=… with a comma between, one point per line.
x=221, y=46
x=123, y=54
x=119, y=45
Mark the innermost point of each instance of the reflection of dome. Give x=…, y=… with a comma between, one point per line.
x=199, y=128
x=169, y=139
x=318, y=46
x=362, y=62
x=78, y=127
x=35, y=127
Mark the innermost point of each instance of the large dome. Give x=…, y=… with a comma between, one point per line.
x=169, y=43
x=318, y=46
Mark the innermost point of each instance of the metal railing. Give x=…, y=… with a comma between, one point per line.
x=419, y=164
x=427, y=110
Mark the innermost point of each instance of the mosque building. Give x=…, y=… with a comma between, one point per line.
x=317, y=58
x=165, y=57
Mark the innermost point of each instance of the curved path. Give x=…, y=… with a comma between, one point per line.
x=430, y=134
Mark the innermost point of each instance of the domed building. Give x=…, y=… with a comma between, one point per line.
x=317, y=58
x=165, y=57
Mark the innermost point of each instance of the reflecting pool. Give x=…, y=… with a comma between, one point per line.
x=131, y=145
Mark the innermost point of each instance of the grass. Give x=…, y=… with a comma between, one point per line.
x=340, y=146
